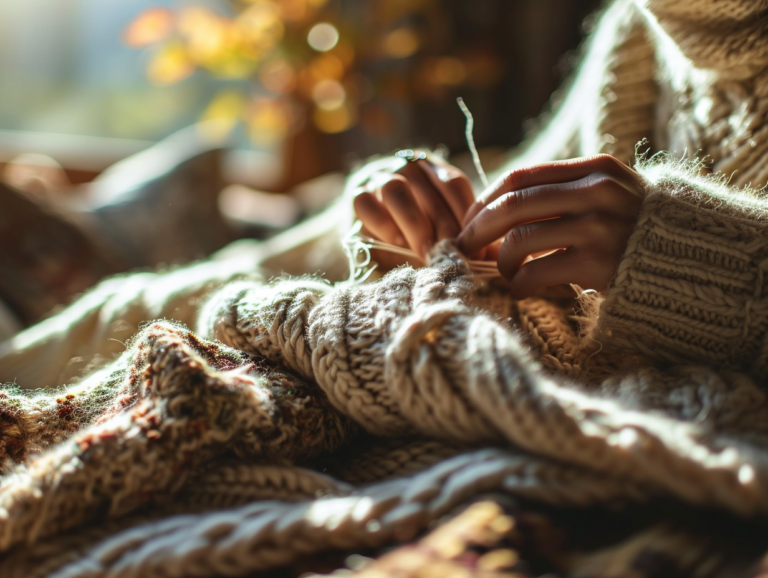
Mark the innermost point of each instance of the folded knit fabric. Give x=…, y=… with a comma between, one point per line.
x=297, y=368
x=275, y=429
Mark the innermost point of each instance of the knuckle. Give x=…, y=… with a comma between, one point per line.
x=509, y=203
x=592, y=254
x=519, y=235
x=460, y=186
x=449, y=174
x=395, y=189
x=599, y=227
x=605, y=161
x=512, y=179
x=600, y=182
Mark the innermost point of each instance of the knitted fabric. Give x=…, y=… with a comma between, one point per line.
x=257, y=438
x=691, y=286
x=687, y=76
x=406, y=356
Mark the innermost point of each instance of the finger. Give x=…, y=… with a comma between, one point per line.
x=429, y=198
x=588, y=231
x=386, y=260
x=587, y=269
x=377, y=220
x=554, y=173
x=407, y=213
x=492, y=252
x=595, y=193
x=455, y=187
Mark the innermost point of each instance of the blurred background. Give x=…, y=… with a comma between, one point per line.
x=155, y=131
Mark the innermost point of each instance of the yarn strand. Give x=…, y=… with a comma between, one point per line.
x=356, y=244
x=469, y=134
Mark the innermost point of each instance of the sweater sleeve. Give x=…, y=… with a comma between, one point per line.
x=609, y=104
x=729, y=36
x=691, y=286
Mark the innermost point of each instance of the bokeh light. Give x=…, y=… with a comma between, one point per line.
x=329, y=94
x=448, y=71
x=170, y=64
x=323, y=37
x=223, y=114
x=268, y=121
x=333, y=121
x=150, y=26
x=401, y=43
x=278, y=76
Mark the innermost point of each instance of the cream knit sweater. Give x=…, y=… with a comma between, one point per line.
x=690, y=77
x=129, y=472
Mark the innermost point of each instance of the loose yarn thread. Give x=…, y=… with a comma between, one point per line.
x=469, y=134
x=356, y=244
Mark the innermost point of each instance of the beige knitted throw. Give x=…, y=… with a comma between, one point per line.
x=295, y=370
x=301, y=417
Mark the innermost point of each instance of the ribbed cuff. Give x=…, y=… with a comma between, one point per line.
x=691, y=286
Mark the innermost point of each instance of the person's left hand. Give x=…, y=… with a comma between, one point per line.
x=562, y=222
x=412, y=205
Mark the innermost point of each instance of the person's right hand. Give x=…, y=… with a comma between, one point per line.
x=562, y=222
x=413, y=204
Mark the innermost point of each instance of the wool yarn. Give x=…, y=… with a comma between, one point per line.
x=301, y=416
x=403, y=356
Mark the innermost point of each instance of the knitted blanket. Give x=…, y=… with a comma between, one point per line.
x=259, y=438
x=300, y=418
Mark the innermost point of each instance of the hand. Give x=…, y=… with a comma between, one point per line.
x=413, y=205
x=562, y=222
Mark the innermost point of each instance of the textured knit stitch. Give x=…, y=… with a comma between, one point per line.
x=197, y=401
x=692, y=286
x=255, y=439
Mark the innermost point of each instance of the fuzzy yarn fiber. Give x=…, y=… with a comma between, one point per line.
x=299, y=417
x=212, y=453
